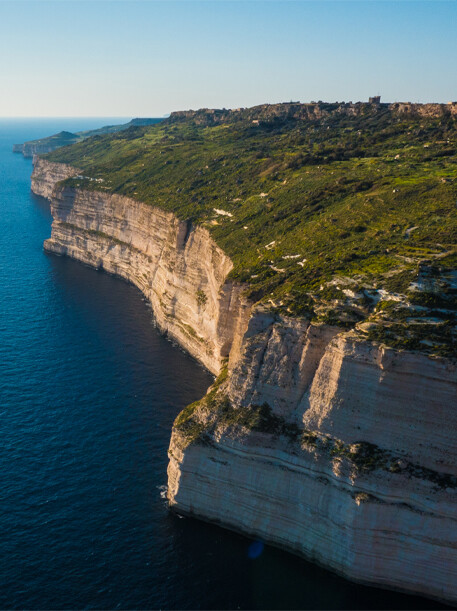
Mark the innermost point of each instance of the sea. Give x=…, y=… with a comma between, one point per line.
x=89, y=390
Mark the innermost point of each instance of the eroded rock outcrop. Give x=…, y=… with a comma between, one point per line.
x=403, y=401
x=332, y=447
x=46, y=174
x=311, y=438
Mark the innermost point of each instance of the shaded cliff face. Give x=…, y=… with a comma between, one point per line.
x=177, y=266
x=377, y=528
x=311, y=438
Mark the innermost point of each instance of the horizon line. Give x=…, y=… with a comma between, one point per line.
x=166, y=115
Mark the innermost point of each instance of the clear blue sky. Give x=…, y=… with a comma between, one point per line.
x=147, y=58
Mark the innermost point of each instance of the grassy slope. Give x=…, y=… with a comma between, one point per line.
x=319, y=207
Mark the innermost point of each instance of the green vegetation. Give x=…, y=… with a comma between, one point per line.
x=257, y=418
x=56, y=140
x=201, y=298
x=219, y=413
x=198, y=420
x=192, y=428
x=320, y=207
x=198, y=423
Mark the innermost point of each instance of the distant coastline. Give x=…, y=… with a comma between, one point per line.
x=65, y=138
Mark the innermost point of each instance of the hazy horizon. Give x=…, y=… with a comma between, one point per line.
x=130, y=117
x=148, y=58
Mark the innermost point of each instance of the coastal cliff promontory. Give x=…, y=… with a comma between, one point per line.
x=176, y=265
x=319, y=284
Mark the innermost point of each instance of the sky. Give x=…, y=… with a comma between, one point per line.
x=147, y=58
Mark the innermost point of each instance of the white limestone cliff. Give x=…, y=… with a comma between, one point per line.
x=46, y=174
x=176, y=265
x=312, y=439
x=354, y=465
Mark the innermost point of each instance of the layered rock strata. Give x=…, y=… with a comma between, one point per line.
x=330, y=447
x=46, y=175
x=312, y=439
x=176, y=265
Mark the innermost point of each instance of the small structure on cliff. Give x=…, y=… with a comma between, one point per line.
x=375, y=100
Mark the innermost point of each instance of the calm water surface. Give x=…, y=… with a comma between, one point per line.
x=88, y=393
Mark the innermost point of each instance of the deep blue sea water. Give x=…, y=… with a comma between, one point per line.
x=88, y=393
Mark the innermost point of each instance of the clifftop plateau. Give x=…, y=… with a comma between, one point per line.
x=344, y=213
x=312, y=111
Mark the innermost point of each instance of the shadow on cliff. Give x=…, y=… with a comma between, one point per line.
x=274, y=579
x=69, y=196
